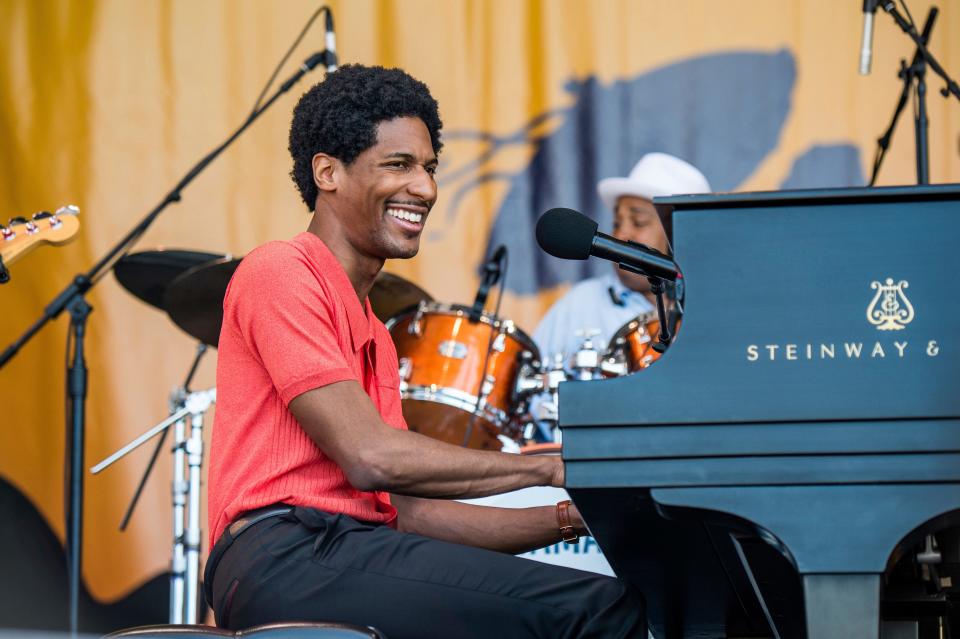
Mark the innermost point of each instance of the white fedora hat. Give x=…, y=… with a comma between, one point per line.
x=655, y=175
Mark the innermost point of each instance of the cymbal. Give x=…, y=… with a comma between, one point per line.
x=391, y=294
x=194, y=300
x=146, y=274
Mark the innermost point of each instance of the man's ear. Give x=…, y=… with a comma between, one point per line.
x=326, y=171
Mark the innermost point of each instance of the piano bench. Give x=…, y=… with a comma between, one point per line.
x=288, y=630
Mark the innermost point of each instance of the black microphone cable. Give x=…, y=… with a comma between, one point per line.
x=287, y=55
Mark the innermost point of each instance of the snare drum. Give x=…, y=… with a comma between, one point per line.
x=451, y=389
x=584, y=555
x=632, y=345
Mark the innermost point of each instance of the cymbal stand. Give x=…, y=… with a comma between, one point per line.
x=188, y=458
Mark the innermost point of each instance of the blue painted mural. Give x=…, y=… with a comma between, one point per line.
x=722, y=112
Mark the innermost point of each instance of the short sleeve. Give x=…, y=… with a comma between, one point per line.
x=287, y=319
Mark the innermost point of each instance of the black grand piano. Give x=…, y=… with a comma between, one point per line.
x=791, y=466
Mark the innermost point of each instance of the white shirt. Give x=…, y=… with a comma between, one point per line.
x=587, y=305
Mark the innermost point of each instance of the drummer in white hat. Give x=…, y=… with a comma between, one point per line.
x=608, y=302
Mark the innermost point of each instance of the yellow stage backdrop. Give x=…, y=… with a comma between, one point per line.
x=106, y=104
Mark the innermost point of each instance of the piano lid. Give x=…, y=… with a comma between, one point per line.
x=799, y=305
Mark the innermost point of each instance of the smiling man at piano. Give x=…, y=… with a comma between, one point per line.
x=322, y=504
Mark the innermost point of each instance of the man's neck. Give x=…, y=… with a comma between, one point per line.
x=361, y=269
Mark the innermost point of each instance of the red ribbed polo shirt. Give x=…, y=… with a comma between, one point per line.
x=291, y=323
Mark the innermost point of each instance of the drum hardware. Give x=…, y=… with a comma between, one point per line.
x=188, y=459
x=530, y=379
x=406, y=367
x=500, y=340
x=491, y=273
x=414, y=328
x=586, y=361
x=547, y=411
x=486, y=388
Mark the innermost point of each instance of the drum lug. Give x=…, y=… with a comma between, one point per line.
x=529, y=379
x=406, y=368
x=488, y=383
x=500, y=342
x=415, y=328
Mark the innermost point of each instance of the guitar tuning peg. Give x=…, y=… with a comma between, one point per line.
x=42, y=215
x=69, y=209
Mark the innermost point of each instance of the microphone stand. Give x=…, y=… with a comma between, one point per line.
x=916, y=70
x=72, y=299
x=951, y=85
x=663, y=342
x=490, y=277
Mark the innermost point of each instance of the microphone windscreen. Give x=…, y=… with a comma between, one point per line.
x=566, y=234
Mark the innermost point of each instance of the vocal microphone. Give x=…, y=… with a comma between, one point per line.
x=330, y=42
x=866, y=42
x=570, y=235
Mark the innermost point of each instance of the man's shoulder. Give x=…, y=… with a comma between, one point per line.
x=279, y=268
x=275, y=251
x=273, y=262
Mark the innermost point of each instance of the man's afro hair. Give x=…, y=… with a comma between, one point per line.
x=340, y=115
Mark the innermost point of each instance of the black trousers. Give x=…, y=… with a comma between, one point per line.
x=308, y=565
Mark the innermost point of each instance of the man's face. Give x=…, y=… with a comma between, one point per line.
x=635, y=219
x=389, y=189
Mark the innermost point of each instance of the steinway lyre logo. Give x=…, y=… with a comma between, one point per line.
x=890, y=309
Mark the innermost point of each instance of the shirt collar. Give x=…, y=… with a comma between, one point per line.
x=624, y=294
x=619, y=290
x=358, y=316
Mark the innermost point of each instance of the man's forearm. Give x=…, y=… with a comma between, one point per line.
x=408, y=463
x=509, y=530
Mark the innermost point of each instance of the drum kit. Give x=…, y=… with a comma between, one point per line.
x=481, y=383
x=467, y=377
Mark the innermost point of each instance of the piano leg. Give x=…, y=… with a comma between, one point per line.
x=842, y=606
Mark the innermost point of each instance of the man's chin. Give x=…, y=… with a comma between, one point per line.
x=404, y=252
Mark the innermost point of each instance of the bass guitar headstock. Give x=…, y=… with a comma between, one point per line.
x=21, y=235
